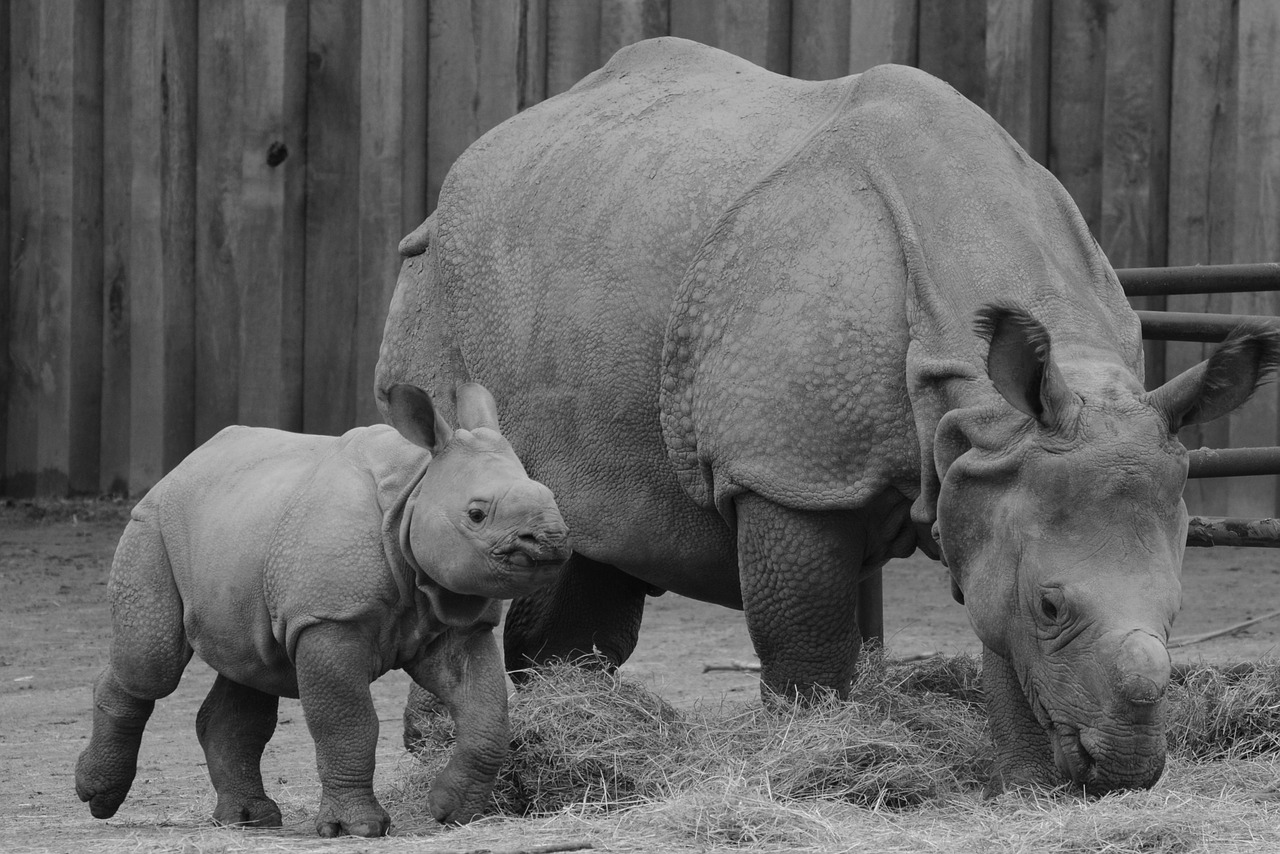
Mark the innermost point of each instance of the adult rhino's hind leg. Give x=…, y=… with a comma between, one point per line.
x=591, y=614
x=148, y=654
x=234, y=724
x=799, y=573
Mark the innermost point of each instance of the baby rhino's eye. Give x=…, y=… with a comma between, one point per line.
x=475, y=514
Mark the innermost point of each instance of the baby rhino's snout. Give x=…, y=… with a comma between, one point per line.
x=541, y=537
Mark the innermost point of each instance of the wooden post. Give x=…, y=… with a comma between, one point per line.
x=117, y=186
x=1135, y=149
x=4, y=240
x=159, y=270
x=820, y=39
x=474, y=76
x=756, y=30
x=573, y=42
x=270, y=230
x=1201, y=186
x=1077, y=78
x=1256, y=224
x=624, y=22
x=1017, y=93
x=55, y=251
x=251, y=230
x=953, y=44
x=882, y=31
x=395, y=145
x=332, y=266
x=532, y=52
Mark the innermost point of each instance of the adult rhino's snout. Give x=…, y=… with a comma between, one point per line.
x=1143, y=668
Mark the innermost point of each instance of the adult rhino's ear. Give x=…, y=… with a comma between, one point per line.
x=476, y=407
x=414, y=415
x=1021, y=367
x=1244, y=361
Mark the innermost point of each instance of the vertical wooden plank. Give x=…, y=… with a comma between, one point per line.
x=1017, y=87
x=820, y=39
x=531, y=60
x=117, y=185
x=882, y=31
x=953, y=44
x=1077, y=80
x=1135, y=150
x=162, y=236
x=251, y=236
x=270, y=234
x=332, y=216
x=415, y=82
x=4, y=238
x=624, y=22
x=218, y=184
x=25, y=240
x=1201, y=185
x=473, y=74
x=1257, y=224
x=573, y=42
x=79, y=235
x=759, y=31
x=477, y=52
x=57, y=248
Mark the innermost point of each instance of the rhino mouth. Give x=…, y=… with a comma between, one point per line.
x=528, y=553
x=524, y=560
x=1070, y=755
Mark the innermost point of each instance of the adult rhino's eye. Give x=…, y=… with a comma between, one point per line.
x=476, y=515
x=1048, y=608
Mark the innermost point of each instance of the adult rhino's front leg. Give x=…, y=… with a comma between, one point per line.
x=463, y=669
x=799, y=571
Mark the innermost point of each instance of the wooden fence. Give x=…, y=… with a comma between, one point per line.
x=200, y=200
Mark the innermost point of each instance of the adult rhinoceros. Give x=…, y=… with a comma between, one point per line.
x=761, y=335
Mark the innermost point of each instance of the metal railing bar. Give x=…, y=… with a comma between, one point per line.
x=1233, y=462
x=1214, y=279
x=1194, y=326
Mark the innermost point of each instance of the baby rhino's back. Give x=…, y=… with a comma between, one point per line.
x=234, y=532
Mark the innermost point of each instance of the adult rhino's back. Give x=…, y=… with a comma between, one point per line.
x=559, y=243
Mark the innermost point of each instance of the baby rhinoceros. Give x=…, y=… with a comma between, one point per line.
x=308, y=566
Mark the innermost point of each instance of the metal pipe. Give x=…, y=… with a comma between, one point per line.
x=1194, y=326
x=1213, y=279
x=1234, y=462
x=1206, y=531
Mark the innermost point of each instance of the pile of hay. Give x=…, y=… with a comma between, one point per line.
x=911, y=735
x=579, y=736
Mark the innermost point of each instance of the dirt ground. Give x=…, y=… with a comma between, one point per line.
x=55, y=634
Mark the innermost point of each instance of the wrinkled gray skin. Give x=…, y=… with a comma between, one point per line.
x=308, y=566
x=763, y=334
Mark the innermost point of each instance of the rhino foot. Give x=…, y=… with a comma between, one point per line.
x=106, y=768
x=455, y=798
x=247, y=812
x=104, y=789
x=355, y=814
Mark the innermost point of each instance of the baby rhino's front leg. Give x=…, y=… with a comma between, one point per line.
x=332, y=661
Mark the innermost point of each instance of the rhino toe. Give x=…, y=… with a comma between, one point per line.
x=247, y=812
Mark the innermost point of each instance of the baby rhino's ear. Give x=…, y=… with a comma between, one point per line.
x=414, y=415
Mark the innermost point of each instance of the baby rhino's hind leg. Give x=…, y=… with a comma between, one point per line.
x=234, y=725
x=148, y=653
